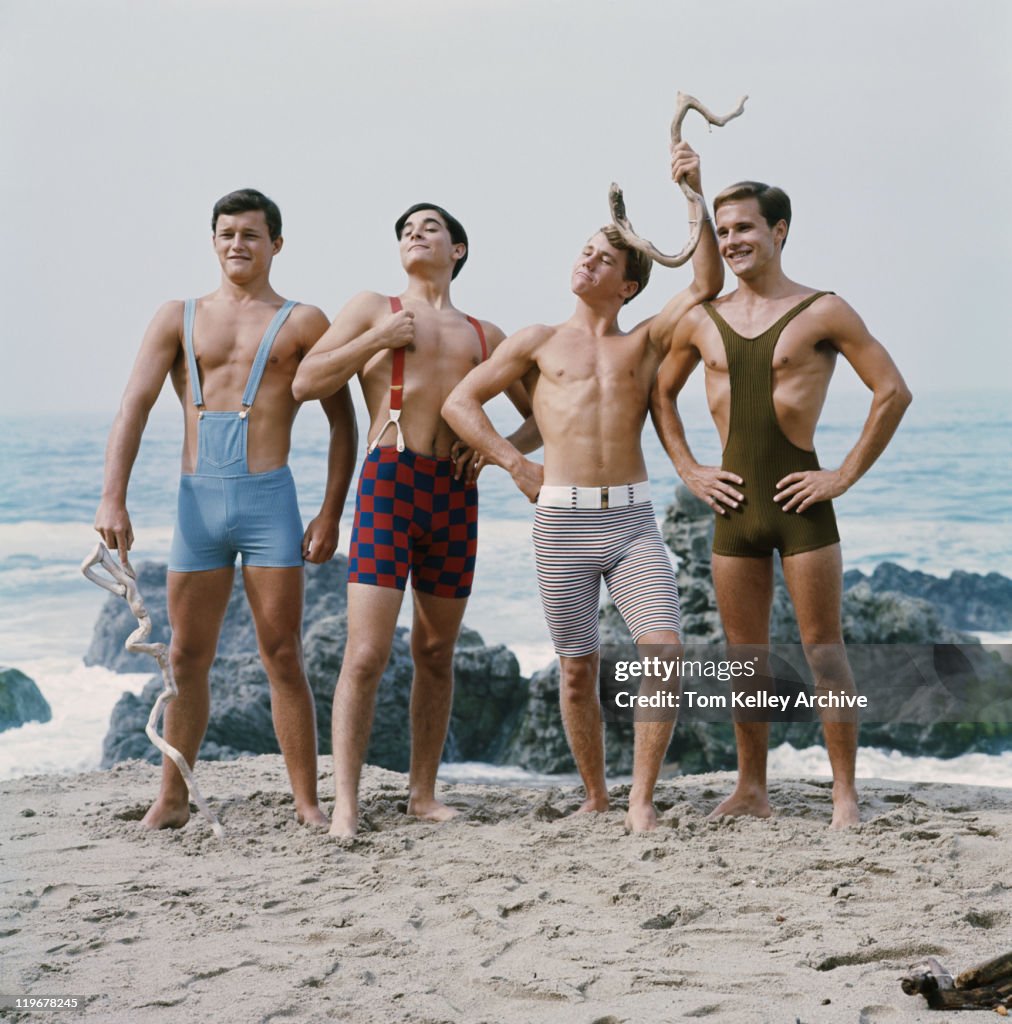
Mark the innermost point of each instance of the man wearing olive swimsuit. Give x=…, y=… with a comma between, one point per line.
x=769, y=349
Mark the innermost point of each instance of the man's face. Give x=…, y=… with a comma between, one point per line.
x=425, y=241
x=747, y=243
x=243, y=245
x=599, y=271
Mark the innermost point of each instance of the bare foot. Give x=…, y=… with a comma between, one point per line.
x=641, y=818
x=752, y=803
x=430, y=809
x=166, y=814
x=344, y=824
x=312, y=815
x=845, y=809
x=592, y=805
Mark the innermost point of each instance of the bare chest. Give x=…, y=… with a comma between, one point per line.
x=443, y=352
x=608, y=364
x=225, y=356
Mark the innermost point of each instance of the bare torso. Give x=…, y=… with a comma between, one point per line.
x=226, y=336
x=446, y=348
x=803, y=361
x=590, y=395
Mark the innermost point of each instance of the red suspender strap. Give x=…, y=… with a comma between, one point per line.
x=397, y=371
x=396, y=392
x=476, y=324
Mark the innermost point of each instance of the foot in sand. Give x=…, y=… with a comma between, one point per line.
x=845, y=809
x=592, y=805
x=344, y=822
x=166, y=814
x=641, y=818
x=752, y=803
x=312, y=814
x=430, y=809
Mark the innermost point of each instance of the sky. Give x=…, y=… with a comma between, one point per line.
x=887, y=122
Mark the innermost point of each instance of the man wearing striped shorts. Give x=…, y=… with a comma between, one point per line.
x=590, y=386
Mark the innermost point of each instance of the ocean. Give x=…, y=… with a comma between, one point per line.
x=936, y=501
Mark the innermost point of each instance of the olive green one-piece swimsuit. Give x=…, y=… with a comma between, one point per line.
x=759, y=452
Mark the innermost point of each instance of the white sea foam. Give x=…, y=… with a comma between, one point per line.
x=872, y=763
x=81, y=699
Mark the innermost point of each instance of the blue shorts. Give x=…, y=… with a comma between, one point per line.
x=255, y=515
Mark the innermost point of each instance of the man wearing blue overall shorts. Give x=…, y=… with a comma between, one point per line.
x=417, y=504
x=232, y=356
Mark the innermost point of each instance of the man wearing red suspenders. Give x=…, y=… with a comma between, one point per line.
x=416, y=507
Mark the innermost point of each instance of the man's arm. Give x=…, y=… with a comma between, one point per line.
x=358, y=332
x=890, y=398
x=463, y=411
x=320, y=539
x=319, y=542
x=158, y=352
x=526, y=438
x=708, y=483
x=707, y=267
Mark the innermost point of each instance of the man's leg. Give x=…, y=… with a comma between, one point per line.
x=567, y=551
x=652, y=739
x=275, y=599
x=744, y=588
x=434, y=630
x=815, y=582
x=581, y=718
x=372, y=620
x=196, y=604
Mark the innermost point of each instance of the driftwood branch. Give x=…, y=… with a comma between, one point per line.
x=123, y=583
x=987, y=973
x=616, y=200
x=985, y=987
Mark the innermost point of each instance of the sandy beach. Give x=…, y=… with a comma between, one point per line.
x=507, y=914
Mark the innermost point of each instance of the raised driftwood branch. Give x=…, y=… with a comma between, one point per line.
x=124, y=584
x=684, y=103
x=985, y=987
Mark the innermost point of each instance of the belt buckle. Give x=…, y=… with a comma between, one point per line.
x=604, y=496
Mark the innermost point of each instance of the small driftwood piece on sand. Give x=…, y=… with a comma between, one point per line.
x=124, y=584
x=985, y=987
x=683, y=104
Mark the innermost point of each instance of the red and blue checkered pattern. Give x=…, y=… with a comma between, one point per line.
x=412, y=515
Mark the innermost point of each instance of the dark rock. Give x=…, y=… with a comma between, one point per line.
x=490, y=692
x=870, y=617
x=500, y=717
x=21, y=700
x=966, y=600
x=326, y=594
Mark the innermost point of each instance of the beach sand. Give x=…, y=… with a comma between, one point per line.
x=506, y=914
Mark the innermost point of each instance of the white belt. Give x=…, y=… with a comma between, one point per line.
x=559, y=496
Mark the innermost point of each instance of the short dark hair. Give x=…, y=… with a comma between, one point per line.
x=244, y=199
x=457, y=233
x=637, y=264
x=774, y=203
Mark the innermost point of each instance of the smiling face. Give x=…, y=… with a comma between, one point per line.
x=600, y=271
x=425, y=243
x=747, y=243
x=243, y=245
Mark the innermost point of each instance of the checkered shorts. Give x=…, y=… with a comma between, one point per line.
x=411, y=514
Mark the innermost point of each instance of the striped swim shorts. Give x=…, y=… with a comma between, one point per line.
x=575, y=548
x=411, y=515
